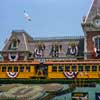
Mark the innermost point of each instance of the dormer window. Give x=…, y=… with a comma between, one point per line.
x=39, y=50
x=72, y=49
x=55, y=49
x=14, y=44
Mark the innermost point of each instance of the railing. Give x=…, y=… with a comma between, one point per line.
x=52, y=60
x=48, y=63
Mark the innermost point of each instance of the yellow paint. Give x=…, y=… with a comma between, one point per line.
x=49, y=68
x=24, y=74
x=58, y=74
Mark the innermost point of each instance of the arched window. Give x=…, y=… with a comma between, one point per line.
x=72, y=49
x=14, y=44
x=55, y=49
x=39, y=49
x=97, y=42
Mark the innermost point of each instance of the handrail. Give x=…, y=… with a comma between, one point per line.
x=50, y=61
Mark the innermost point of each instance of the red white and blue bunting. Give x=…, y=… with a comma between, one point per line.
x=70, y=75
x=73, y=51
x=12, y=74
x=38, y=53
x=13, y=56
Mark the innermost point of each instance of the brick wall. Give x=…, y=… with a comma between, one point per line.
x=90, y=44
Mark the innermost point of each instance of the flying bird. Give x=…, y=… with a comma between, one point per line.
x=26, y=15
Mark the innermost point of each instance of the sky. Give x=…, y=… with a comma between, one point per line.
x=50, y=18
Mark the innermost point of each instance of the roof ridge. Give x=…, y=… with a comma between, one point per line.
x=89, y=10
x=93, y=12
x=25, y=41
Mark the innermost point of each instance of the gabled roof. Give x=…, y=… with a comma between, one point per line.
x=93, y=11
x=28, y=44
x=22, y=36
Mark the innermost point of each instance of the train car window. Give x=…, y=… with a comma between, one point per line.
x=87, y=68
x=67, y=68
x=94, y=68
x=80, y=68
x=99, y=68
x=54, y=68
x=28, y=69
x=3, y=69
x=21, y=69
x=61, y=68
x=74, y=68
x=9, y=69
x=15, y=69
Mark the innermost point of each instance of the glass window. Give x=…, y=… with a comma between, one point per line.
x=3, y=69
x=74, y=68
x=21, y=69
x=97, y=43
x=15, y=44
x=28, y=69
x=54, y=68
x=61, y=68
x=87, y=68
x=15, y=69
x=67, y=68
x=94, y=68
x=99, y=68
x=9, y=69
x=80, y=68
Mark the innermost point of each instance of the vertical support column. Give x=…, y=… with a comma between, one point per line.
x=85, y=45
x=25, y=56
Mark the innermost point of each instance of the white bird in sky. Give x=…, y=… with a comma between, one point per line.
x=26, y=15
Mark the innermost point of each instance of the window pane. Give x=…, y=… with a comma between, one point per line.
x=9, y=69
x=87, y=68
x=3, y=69
x=73, y=68
x=94, y=68
x=99, y=68
x=61, y=68
x=21, y=69
x=27, y=69
x=14, y=44
x=15, y=69
x=97, y=43
x=67, y=68
x=54, y=68
x=80, y=68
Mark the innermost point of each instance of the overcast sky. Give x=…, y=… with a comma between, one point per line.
x=50, y=18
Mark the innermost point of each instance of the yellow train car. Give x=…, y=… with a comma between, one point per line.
x=51, y=70
x=74, y=69
x=16, y=70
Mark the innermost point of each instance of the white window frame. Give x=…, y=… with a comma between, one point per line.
x=98, y=46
